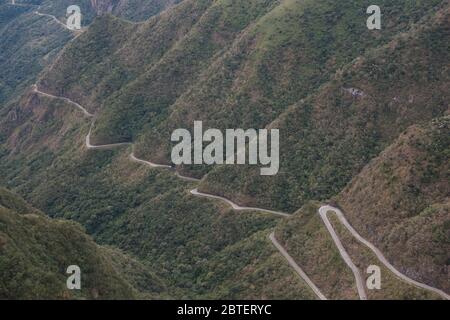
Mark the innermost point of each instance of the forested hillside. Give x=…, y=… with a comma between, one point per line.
x=35, y=252
x=403, y=196
x=363, y=120
x=330, y=135
x=32, y=38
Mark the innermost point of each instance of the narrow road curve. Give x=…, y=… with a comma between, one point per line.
x=296, y=267
x=186, y=178
x=54, y=19
x=235, y=206
x=85, y=112
x=148, y=163
x=163, y=166
x=89, y=145
x=360, y=285
x=103, y=146
x=323, y=213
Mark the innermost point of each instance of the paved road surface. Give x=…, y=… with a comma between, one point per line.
x=360, y=284
x=235, y=206
x=148, y=163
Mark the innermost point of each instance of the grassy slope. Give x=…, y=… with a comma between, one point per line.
x=187, y=46
x=400, y=202
x=307, y=240
x=134, y=10
x=35, y=252
x=113, y=53
x=253, y=269
x=252, y=60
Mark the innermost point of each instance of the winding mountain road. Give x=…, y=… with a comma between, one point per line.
x=323, y=213
x=85, y=112
x=148, y=163
x=235, y=206
x=360, y=285
x=103, y=146
x=164, y=166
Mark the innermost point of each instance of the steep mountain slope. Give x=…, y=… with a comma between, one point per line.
x=189, y=46
x=253, y=62
x=401, y=202
x=329, y=136
x=32, y=37
x=113, y=52
x=307, y=241
x=248, y=53
x=28, y=43
x=134, y=10
x=391, y=286
x=280, y=59
x=35, y=252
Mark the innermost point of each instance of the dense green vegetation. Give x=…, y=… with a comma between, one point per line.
x=28, y=43
x=31, y=42
x=148, y=213
x=134, y=10
x=248, y=65
x=35, y=252
x=330, y=136
x=404, y=196
x=256, y=63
